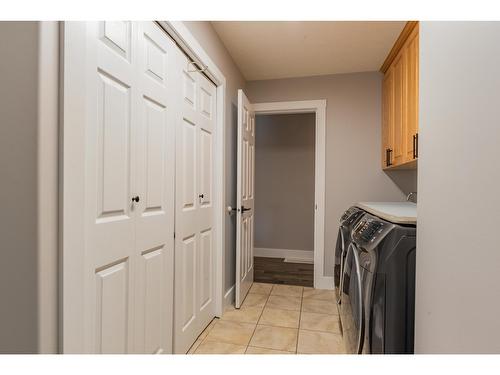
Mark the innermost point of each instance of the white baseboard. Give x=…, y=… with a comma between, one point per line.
x=323, y=282
x=229, y=297
x=298, y=255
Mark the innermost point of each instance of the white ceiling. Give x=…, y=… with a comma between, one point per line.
x=269, y=50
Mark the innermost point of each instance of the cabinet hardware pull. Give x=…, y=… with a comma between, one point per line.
x=135, y=199
x=388, y=156
x=416, y=145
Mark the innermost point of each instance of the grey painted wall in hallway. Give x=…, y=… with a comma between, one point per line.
x=284, y=181
x=353, y=138
x=458, y=257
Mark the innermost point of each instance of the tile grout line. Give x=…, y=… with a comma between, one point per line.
x=257, y=323
x=211, y=326
x=300, y=317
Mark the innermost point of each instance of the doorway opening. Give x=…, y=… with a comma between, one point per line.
x=284, y=198
x=245, y=188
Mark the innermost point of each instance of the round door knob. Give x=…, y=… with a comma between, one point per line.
x=135, y=199
x=201, y=196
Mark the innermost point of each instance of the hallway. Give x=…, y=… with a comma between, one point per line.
x=277, y=271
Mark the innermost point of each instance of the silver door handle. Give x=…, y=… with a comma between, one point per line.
x=357, y=264
x=341, y=281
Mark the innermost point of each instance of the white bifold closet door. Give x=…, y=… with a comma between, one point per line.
x=194, y=218
x=245, y=197
x=129, y=92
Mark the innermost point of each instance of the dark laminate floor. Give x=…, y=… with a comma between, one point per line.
x=276, y=271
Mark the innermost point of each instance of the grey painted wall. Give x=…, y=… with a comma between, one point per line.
x=353, y=138
x=458, y=253
x=284, y=181
x=18, y=164
x=208, y=38
x=28, y=169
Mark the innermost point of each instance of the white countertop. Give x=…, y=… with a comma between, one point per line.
x=395, y=212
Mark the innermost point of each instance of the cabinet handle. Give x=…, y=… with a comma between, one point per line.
x=416, y=145
x=388, y=157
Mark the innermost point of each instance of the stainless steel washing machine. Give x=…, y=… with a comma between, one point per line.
x=377, y=310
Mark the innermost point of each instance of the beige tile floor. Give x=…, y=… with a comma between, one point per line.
x=276, y=319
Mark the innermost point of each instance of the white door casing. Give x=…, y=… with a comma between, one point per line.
x=318, y=107
x=129, y=152
x=245, y=197
x=194, y=227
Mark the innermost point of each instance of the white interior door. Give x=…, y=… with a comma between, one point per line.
x=194, y=250
x=129, y=157
x=245, y=198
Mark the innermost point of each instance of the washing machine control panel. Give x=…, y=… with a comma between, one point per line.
x=370, y=231
x=350, y=216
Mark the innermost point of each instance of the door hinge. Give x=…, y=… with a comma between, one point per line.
x=174, y=235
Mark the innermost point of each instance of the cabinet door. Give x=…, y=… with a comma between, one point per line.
x=411, y=56
x=398, y=129
x=387, y=116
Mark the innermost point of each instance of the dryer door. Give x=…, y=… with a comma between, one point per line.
x=352, y=309
x=338, y=267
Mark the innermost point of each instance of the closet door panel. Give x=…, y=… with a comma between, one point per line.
x=155, y=128
x=151, y=333
x=206, y=167
x=206, y=126
x=194, y=257
x=110, y=158
x=186, y=283
x=206, y=266
x=186, y=324
x=122, y=83
x=189, y=166
x=112, y=292
x=155, y=188
x=114, y=149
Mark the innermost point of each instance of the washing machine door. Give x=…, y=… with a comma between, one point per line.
x=352, y=309
x=337, y=269
x=340, y=255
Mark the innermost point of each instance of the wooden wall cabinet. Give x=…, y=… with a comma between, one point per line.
x=400, y=101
